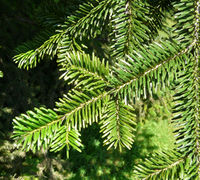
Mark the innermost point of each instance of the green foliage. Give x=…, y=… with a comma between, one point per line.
x=105, y=91
x=162, y=166
x=34, y=126
x=95, y=161
x=1, y=74
x=85, y=73
x=118, y=125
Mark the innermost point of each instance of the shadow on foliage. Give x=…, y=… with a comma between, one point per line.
x=98, y=163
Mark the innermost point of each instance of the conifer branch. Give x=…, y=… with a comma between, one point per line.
x=197, y=82
x=161, y=165
x=155, y=67
x=159, y=171
x=100, y=90
x=75, y=27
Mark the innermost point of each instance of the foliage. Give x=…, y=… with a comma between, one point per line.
x=95, y=161
x=136, y=65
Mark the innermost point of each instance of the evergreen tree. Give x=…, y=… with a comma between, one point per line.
x=111, y=53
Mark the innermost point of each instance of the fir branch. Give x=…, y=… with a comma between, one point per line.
x=99, y=95
x=75, y=27
x=128, y=30
x=84, y=71
x=36, y=128
x=66, y=137
x=135, y=77
x=162, y=165
x=82, y=108
x=197, y=82
x=117, y=124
